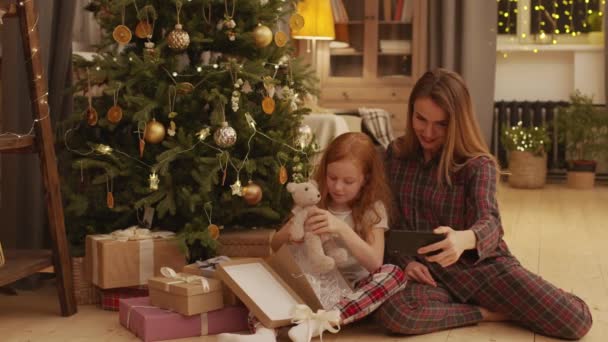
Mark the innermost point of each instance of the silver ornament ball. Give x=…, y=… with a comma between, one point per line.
x=303, y=136
x=225, y=136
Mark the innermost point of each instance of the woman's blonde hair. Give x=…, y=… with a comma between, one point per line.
x=464, y=140
x=358, y=148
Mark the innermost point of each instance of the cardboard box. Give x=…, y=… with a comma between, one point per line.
x=318, y=290
x=261, y=289
x=186, y=298
x=229, y=297
x=112, y=263
x=251, y=243
x=154, y=324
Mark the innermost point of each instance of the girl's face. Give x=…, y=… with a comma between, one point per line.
x=344, y=180
x=430, y=124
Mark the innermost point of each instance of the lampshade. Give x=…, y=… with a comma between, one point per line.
x=318, y=20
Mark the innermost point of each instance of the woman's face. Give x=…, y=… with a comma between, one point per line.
x=430, y=124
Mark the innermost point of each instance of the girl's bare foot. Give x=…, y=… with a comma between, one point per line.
x=491, y=316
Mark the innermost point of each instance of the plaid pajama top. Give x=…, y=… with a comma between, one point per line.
x=469, y=203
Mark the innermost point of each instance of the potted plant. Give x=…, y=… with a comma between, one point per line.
x=527, y=149
x=582, y=128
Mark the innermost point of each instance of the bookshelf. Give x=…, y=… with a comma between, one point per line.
x=379, y=52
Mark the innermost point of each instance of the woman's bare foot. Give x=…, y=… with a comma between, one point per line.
x=491, y=316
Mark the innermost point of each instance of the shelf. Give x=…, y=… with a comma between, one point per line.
x=354, y=22
x=22, y=263
x=12, y=144
x=393, y=22
x=336, y=52
x=394, y=53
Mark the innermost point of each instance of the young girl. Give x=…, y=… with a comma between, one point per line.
x=353, y=207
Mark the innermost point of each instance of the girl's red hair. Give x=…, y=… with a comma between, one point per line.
x=358, y=148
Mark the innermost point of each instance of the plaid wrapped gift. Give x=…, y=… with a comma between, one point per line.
x=85, y=292
x=253, y=243
x=110, y=299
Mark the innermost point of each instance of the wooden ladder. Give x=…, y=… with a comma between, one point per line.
x=22, y=263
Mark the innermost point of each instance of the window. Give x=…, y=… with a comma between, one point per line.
x=549, y=21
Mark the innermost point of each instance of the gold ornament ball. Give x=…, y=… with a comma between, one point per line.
x=154, y=132
x=262, y=36
x=252, y=193
x=178, y=39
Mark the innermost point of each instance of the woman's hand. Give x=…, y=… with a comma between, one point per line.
x=451, y=248
x=321, y=221
x=420, y=273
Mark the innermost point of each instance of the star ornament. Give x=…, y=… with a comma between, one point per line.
x=237, y=189
x=203, y=133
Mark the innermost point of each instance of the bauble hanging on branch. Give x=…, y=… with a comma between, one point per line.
x=262, y=36
x=178, y=39
x=225, y=136
x=154, y=132
x=252, y=193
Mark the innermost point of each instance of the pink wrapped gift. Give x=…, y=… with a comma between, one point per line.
x=150, y=323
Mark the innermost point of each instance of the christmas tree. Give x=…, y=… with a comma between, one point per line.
x=191, y=107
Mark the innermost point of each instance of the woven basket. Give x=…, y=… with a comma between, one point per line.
x=527, y=170
x=85, y=292
x=1, y=256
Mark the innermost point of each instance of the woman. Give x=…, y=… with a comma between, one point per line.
x=445, y=181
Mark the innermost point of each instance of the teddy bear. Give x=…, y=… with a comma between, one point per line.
x=305, y=196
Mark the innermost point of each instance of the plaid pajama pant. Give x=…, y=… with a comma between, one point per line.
x=369, y=294
x=526, y=298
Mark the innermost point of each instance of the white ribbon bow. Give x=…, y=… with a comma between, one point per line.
x=213, y=262
x=302, y=314
x=135, y=233
x=168, y=272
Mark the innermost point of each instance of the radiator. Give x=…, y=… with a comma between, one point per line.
x=530, y=113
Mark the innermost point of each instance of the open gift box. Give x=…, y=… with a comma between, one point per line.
x=271, y=289
x=185, y=293
x=318, y=290
x=261, y=289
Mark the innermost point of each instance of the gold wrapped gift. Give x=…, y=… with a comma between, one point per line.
x=185, y=293
x=130, y=257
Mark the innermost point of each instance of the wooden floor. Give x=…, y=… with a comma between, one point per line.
x=562, y=234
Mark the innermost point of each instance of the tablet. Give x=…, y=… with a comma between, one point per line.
x=407, y=243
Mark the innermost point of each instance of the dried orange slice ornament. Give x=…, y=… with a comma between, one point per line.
x=214, y=231
x=268, y=105
x=122, y=35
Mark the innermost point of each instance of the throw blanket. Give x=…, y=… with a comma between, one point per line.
x=378, y=122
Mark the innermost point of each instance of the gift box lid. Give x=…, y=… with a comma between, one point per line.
x=184, y=284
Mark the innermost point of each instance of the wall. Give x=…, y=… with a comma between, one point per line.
x=550, y=74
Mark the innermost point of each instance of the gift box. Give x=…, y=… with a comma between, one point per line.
x=130, y=257
x=110, y=299
x=150, y=323
x=85, y=292
x=185, y=293
x=261, y=289
x=246, y=243
x=207, y=269
x=318, y=290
